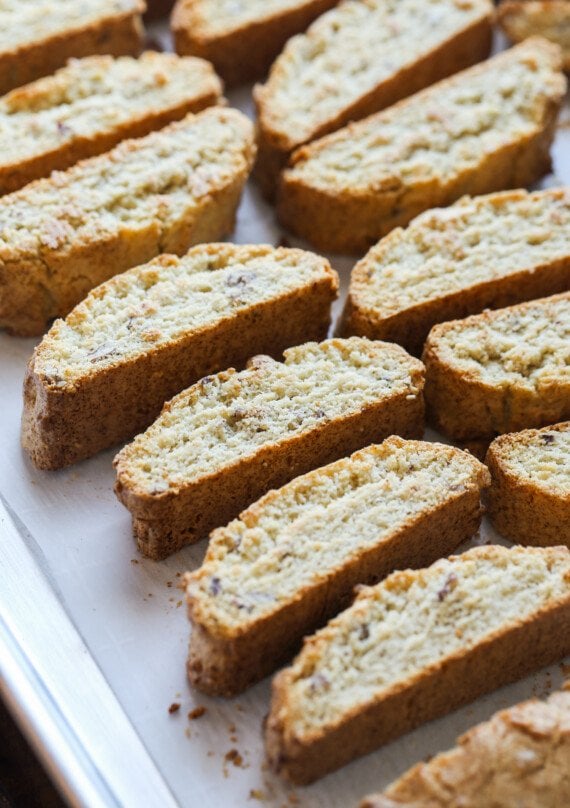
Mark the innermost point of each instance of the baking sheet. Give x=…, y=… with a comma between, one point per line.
x=131, y=616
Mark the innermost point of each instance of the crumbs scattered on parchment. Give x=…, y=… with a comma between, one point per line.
x=134, y=561
x=174, y=707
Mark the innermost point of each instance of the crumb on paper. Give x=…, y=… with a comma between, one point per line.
x=197, y=712
x=232, y=728
x=257, y=794
x=233, y=756
x=210, y=753
x=169, y=584
x=174, y=707
x=134, y=561
x=240, y=708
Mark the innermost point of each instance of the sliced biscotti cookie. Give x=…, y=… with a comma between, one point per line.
x=521, y=756
x=61, y=236
x=500, y=371
x=482, y=252
x=414, y=647
x=358, y=58
x=90, y=105
x=38, y=36
x=485, y=129
x=102, y=374
x=549, y=18
x=241, y=39
x=529, y=501
x=227, y=440
x=291, y=560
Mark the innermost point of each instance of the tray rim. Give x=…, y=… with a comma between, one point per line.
x=55, y=703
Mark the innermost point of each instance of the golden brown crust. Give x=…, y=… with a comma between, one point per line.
x=81, y=146
x=467, y=407
x=61, y=426
x=468, y=47
x=506, y=655
x=351, y=221
x=118, y=35
x=245, y=53
x=521, y=510
x=521, y=756
x=226, y=666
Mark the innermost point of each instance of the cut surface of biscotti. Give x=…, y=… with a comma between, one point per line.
x=500, y=371
x=485, y=129
x=360, y=57
x=529, y=501
x=38, y=36
x=90, y=105
x=414, y=647
x=221, y=444
x=63, y=235
x=549, y=18
x=483, y=252
x=102, y=374
x=521, y=757
x=291, y=560
x=241, y=39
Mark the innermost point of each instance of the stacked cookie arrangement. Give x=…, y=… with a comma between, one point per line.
x=382, y=130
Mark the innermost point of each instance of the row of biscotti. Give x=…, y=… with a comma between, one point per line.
x=291, y=560
x=358, y=58
x=51, y=257
x=243, y=39
x=422, y=642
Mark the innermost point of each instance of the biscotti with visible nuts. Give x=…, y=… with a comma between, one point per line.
x=291, y=560
x=521, y=757
x=548, y=18
x=103, y=374
x=500, y=371
x=488, y=128
x=529, y=501
x=357, y=59
x=414, y=647
x=226, y=441
x=241, y=39
x=92, y=104
x=39, y=36
x=61, y=236
x=483, y=252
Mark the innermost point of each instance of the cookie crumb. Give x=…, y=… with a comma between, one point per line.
x=174, y=707
x=197, y=712
x=233, y=756
x=257, y=794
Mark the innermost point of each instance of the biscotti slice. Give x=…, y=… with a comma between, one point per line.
x=551, y=19
x=227, y=440
x=61, y=236
x=414, y=647
x=529, y=501
x=102, y=374
x=485, y=129
x=520, y=757
x=357, y=59
x=500, y=371
x=241, y=39
x=291, y=560
x=38, y=36
x=90, y=105
x=483, y=252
